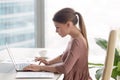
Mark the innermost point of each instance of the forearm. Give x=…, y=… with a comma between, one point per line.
x=55, y=60
x=48, y=68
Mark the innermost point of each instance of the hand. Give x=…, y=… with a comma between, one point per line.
x=32, y=67
x=42, y=60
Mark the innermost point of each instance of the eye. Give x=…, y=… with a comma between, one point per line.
x=57, y=27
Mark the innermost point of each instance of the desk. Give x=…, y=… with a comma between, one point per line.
x=7, y=71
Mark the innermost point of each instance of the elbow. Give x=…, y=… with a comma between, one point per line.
x=62, y=69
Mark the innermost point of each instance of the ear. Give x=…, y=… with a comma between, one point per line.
x=69, y=24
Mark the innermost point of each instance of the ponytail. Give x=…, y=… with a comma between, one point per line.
x=82, y=27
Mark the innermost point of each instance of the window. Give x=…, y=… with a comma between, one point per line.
x=17, y=23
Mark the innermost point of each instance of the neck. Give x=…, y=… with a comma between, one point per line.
x=75, y=32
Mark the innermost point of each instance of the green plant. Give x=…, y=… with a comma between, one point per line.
x=116, y=69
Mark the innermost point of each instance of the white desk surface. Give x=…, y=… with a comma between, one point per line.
x=7, y=71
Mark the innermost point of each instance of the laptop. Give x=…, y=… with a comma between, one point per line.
x=22, y=74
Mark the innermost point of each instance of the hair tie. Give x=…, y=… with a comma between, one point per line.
x=76, y=13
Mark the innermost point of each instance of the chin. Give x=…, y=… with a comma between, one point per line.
x=62, y=35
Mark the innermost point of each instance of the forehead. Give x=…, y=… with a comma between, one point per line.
x=58, y=24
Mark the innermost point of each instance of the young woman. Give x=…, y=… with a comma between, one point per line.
x=74, y=60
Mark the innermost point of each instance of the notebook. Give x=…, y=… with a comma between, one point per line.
x=21, y=74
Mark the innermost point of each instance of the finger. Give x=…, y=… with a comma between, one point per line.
x=36, y=59
x=28, y=68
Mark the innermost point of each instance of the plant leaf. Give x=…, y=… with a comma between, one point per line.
x=101, y=42
x=118, y=66
x=117, y=57
x=95, y=64
x=99, y=73
x=114, y=73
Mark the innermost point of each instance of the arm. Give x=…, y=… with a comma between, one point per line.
x=55, y=60
x=49, y=68
x=50, y=65
x=64, y=67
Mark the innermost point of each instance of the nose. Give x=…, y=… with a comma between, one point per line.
x=56, y=30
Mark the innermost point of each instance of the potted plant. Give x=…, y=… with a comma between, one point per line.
x=116, y=69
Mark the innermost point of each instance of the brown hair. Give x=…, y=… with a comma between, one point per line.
x=68, y=14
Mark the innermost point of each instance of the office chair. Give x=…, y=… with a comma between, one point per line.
x=109, y=60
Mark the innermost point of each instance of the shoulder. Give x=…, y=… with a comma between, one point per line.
x=77, y=40
x=81, y=42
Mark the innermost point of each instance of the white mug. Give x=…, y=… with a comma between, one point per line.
x=43, y=53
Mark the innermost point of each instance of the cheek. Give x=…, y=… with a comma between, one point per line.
x=63, y=32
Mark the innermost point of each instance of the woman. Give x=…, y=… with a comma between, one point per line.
x=74, y=61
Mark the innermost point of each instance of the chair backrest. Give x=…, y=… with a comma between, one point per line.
x=108, y=66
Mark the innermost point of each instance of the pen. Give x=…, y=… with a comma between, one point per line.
x=39, y=62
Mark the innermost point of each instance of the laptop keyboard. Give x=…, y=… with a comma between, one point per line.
x=21, y=66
